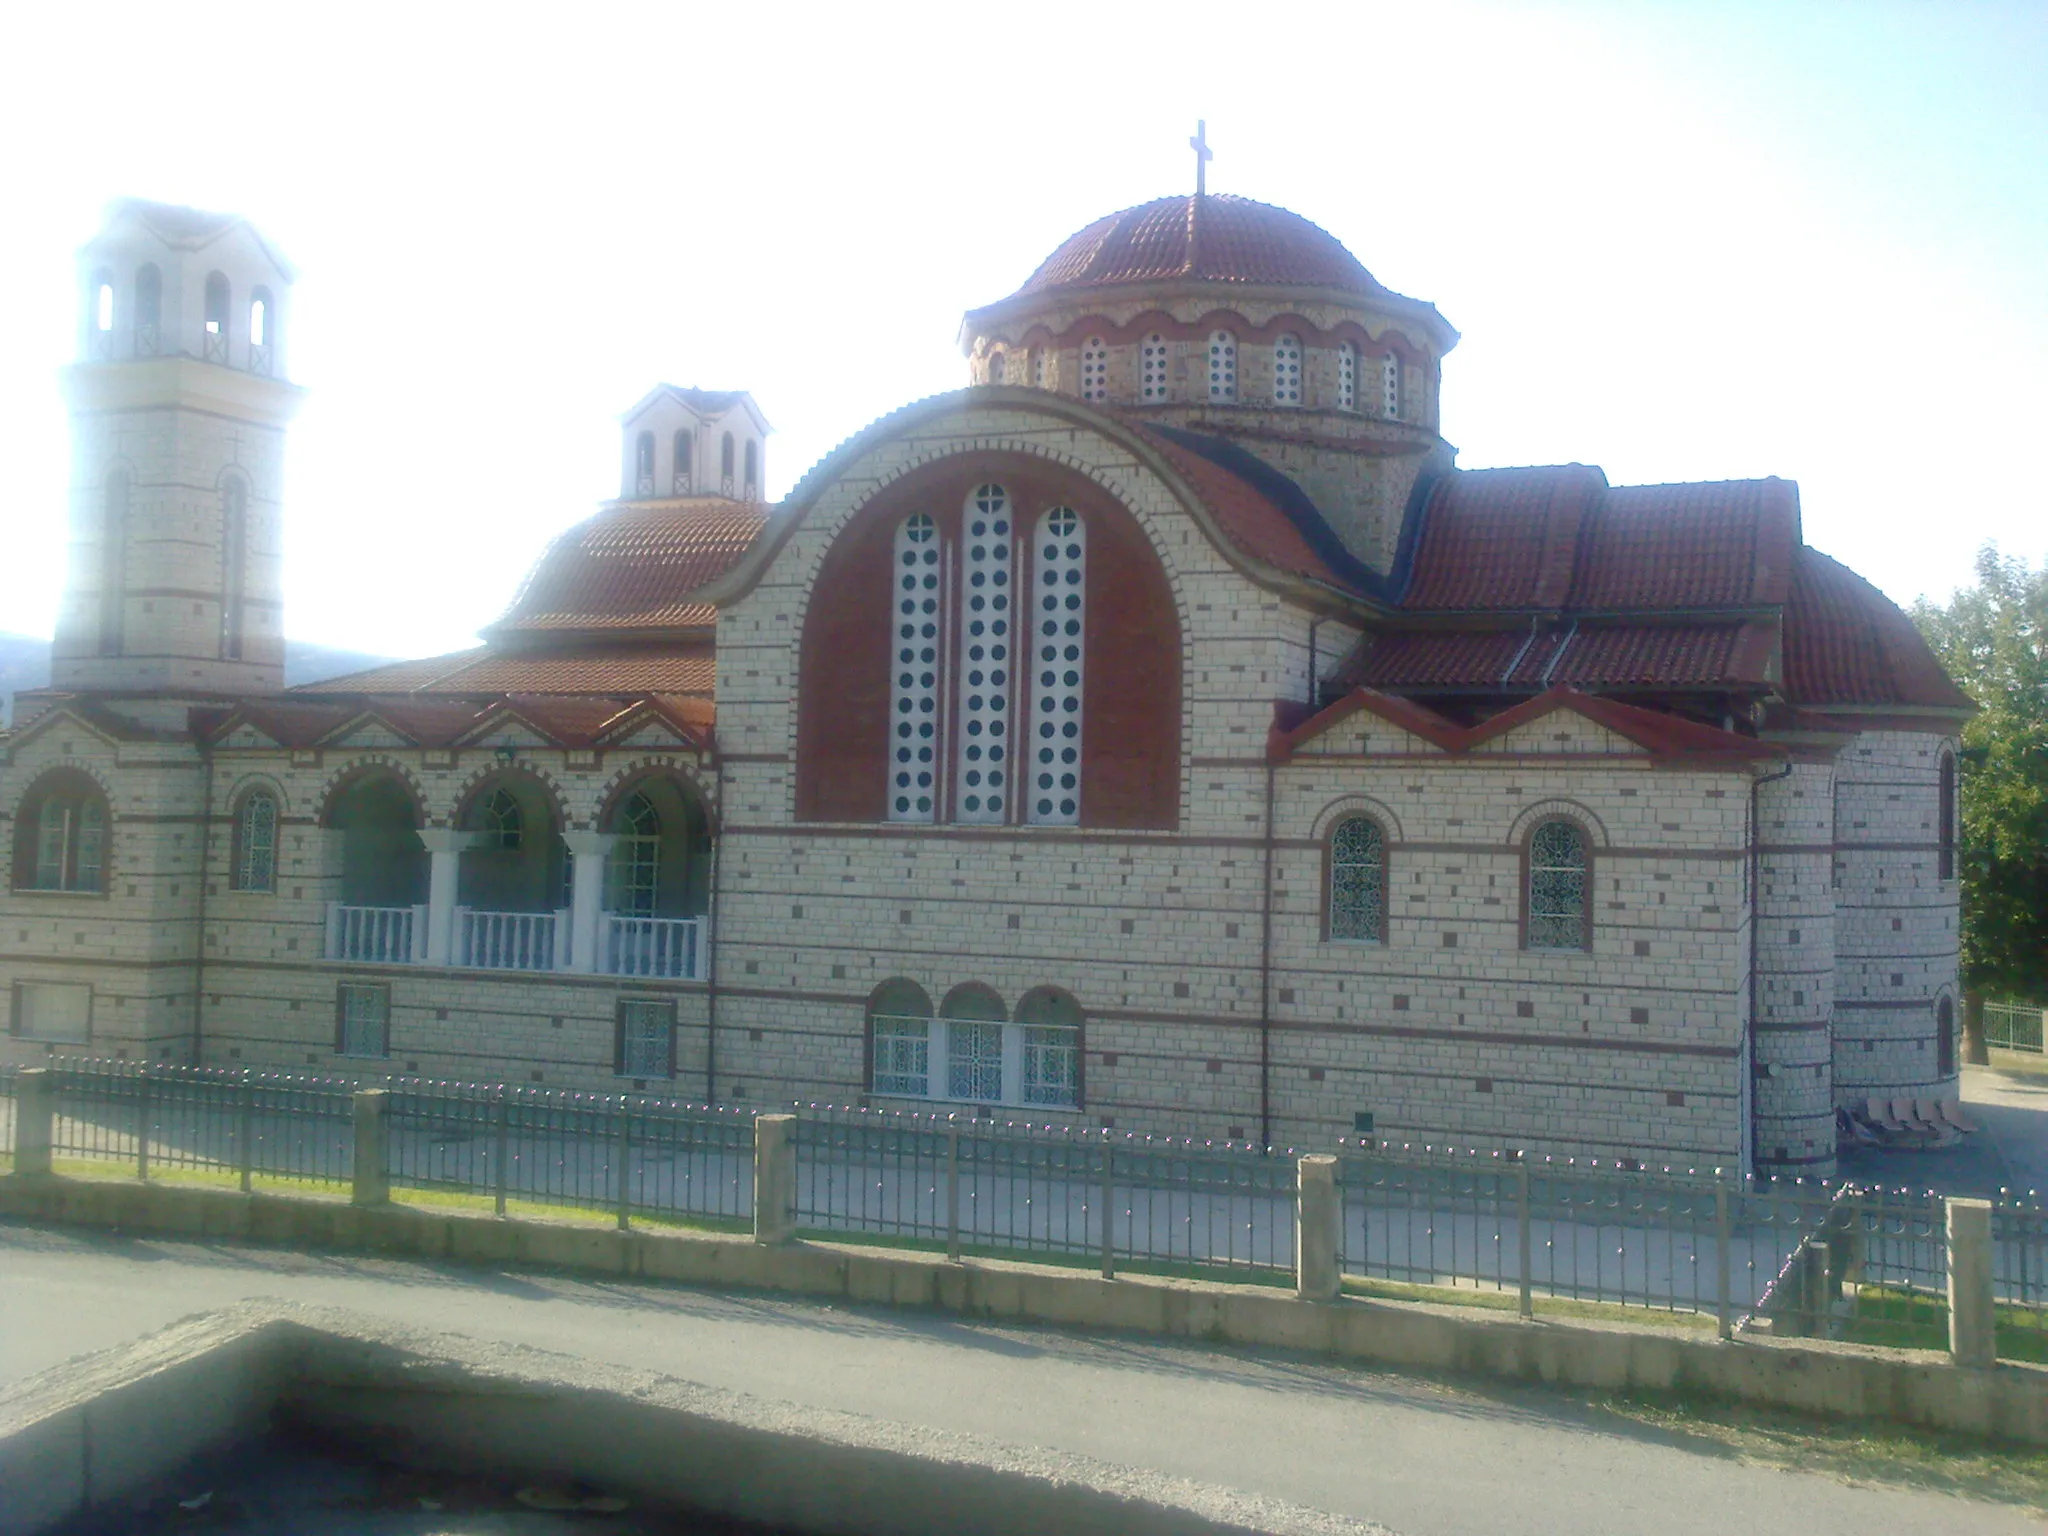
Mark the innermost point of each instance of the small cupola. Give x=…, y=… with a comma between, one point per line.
x=694, y=442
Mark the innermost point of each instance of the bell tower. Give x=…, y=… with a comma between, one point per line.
x=179, y=402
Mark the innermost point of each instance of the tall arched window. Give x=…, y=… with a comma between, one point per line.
x=643, y=464
x=1945, y=1038
x=1287, y=369
x=1347, y=377
x=499, y=820
x=1222, y=366
x=1059, y=569
x=633, y=872
x=1945, y=837
x=1094, y=369
x=914, y=684
x=685, y=447
x=725, y=464
x=1049, y=1049
x=752, y=479
x=60, y=835
x=149, y=310
x=899, y=1040
x=1559, y=887
x=998, y=367
x=216, y=336
x=1152, y=369
x=234, y=564
x=1358, y=881
x=254, y=864
x=262, y=322
x=1390, y=387
x=973, y=1017
x=99, y=320
x=114, y=564
x=986, y=663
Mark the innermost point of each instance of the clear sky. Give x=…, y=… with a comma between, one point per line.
x=1681, y=241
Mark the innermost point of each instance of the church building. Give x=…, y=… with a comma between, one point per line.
x=1160, y=732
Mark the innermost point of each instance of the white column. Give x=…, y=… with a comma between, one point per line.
x=588, y=850
x=444, y=865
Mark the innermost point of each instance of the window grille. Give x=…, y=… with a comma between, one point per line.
x=647, y=1030
x=1390, y=387
x=635, y=863
x=1222, y=366
x=1347, y=377
x=1153, y=357
x=902, y=1055
x=362, y=1019
x=1557, y=887
x=1358, y=881
x=974, y=1060
x=498, y=818
x=1094, y=369
x=985, y=664
x=1058, y=583
x=914, y=694
x=1287, y=370
x=1051, y=1065
x=255, y=864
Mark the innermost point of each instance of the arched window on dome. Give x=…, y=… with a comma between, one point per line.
x=1152, y=371
x=114, y=564
x=983, y=769
x=1222, y=366
x=216, y=333
x=1094, y=369
x=1059, y=569
x=679, y=474
x=99, y=319
x=725, y=452
x=149, y=309
x=1347, y=377
x=262, y=323
x=914, y=681
x=1286, y=369
x=1390, y=386
x=234, y=564
x=752, y=479
x=643, y=464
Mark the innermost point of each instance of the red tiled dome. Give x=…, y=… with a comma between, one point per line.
x=1217, y=239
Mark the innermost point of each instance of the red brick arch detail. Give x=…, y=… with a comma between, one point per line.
x=362, y=768
x=633, y=775
x=1132, y=715
x=496, y=773
x=1130, y=332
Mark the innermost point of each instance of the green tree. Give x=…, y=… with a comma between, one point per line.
x=1993, y=638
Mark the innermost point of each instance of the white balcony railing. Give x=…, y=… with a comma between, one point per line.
x=376, y=935
x=671, y=947
x=510, y=941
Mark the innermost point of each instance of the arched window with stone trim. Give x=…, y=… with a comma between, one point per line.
x=914, y=681
x=972, y=1026
x=215, y=335
x=725, y=463
x=149, y=310
x=1945, y=1038
x=1222, y=361
x=1286, y=369
x=234, y=565
x=262, y=331
x=643, y=464
x=114, y=563
x=1049, y=1049
x=1356, y=900
x=1390, y=386
x=1152, y=369
x=252, y=863
x=1095, y=369
x=1945, y=834
x=633, y=869
x=1059, y=586
x=984, y=766
x=900, y=1040
x=683, y=449
x=1347, y=377
x=1558, y=891
x=61, y=835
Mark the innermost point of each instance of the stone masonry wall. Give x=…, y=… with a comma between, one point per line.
x=1795, y=982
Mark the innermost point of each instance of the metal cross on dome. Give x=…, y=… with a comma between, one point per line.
x=1203, y=155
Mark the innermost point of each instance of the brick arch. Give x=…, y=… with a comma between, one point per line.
x=1569, y=810
x=57, y=779
x=1350, y=804
x=248, y=784
x=633, y=774
x=357, y=769
x=1131, y=736
x=494, y=773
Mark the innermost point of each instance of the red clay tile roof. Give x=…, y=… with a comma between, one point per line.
x=1502, y=538
x=1644, y=655
x=1847, y=643
x=612, y=671
x=1720, y=544
x=1218, y=239
x=633, y=567
x=575, y=722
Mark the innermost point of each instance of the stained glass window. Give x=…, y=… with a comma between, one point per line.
x=256, y=844
x=646, y=1029
x=634, y=868
x=362, y=1025
x=1358, y=881
x=1557, y=887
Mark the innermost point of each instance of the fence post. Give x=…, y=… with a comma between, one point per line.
x=1972, y=1315
x=373, y=1131
x=501, y=1148
x=142, y=1122
x=953, y=1192
x=245, y=1118
x=1727, y=1325
x=1108, y=1209
x=35, y=1119
x=625, y=1161
x=1316, y=1215
x=774, y=1178
x=1526, y=1304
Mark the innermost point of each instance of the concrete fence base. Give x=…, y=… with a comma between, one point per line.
x=1913, y=1387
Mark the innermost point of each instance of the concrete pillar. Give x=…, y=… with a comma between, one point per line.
x=774, y=1178
x=1972, y=1318
x=35, y=1115
x=444, y=868
x=1316, y=1217
x=373, y=1141
x=587, y=852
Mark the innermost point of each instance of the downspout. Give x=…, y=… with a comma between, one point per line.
x=1756, y=896
x=199, y=957
x=711, y=942
x=1266, y=973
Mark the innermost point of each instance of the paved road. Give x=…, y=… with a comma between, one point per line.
x=1423, y=1459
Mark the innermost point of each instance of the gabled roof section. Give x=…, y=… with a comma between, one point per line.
x=53, y=708
x=188, y=229
x=705, y=404
x=1661, y=736
x=579, y=723
x=634, y=568
x=613, y=671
